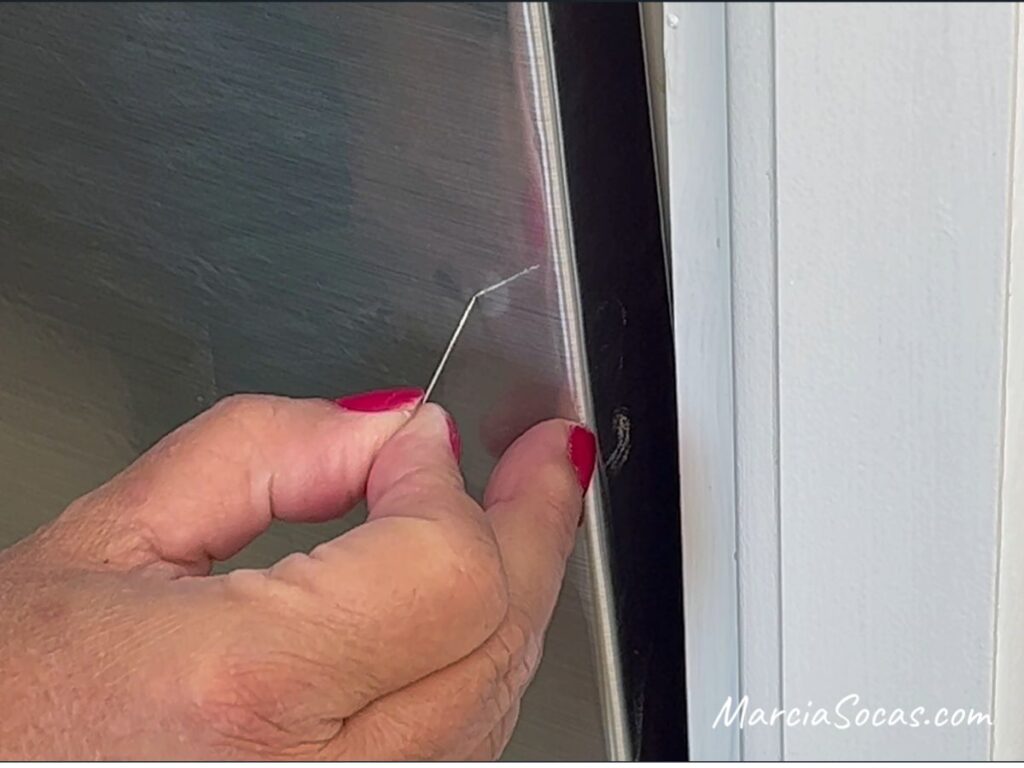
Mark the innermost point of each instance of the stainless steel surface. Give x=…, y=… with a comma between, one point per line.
x=546, y=131
x=203, y=199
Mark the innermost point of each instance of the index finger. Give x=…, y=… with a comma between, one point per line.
x=534, y=501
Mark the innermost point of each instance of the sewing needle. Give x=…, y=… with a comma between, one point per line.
x=462, y=323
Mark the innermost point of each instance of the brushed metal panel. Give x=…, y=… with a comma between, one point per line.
x=204, y=199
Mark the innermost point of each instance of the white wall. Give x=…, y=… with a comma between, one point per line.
x=841, y=203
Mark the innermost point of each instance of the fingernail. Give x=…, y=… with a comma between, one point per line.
x=453, y=437
x=381, y=400
x=582, y=454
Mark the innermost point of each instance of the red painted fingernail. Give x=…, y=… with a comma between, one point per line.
x=382, y=400
x=453, y=437
x=582, y=454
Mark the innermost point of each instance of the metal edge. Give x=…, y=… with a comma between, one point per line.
x=548, y=135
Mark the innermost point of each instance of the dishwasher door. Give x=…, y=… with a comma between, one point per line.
x=205, y=199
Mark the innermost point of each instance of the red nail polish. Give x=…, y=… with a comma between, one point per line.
x=582, y=454
x=382, y=400
x=453, y=437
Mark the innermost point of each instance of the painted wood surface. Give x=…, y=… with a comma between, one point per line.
x=893, y=135
x=699, y=209
x=875, y=394
x=755, y=354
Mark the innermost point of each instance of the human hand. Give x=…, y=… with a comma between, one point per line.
x=413, y=635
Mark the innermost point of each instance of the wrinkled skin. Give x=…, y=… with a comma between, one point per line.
x=411, y=636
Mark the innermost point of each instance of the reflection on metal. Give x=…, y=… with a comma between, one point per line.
x=204, y=199
x=548, y=138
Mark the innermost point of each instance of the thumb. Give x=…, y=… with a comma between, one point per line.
x=533, y=505
x=415, y=588
x=213, y=485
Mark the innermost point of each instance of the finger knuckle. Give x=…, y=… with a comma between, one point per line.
x=471, y=567
x=390, y=736
x=243, y=408
x=495, y=744
x=507, y=727
x=513, y=653
x=247, y=700
x=234, y=698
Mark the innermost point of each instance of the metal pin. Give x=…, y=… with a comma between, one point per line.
x=462, y=323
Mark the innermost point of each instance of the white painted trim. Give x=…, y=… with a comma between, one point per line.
x=844, y=260
x=1008, y=697
x=750, y=31
x=701, y=270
